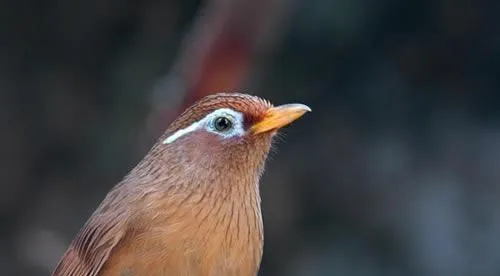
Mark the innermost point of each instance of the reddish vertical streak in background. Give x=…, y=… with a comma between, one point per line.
x=225, y=69
x=217, y=55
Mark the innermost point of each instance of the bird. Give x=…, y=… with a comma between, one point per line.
x=192, y=205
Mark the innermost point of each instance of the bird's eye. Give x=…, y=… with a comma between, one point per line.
x=222, y=124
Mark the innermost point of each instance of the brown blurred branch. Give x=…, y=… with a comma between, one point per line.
x=217, y=55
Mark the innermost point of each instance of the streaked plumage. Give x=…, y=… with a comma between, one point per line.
x=190, y=207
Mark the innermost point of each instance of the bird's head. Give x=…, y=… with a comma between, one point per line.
x=226, y=133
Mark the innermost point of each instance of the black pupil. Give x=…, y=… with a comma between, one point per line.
x=222, y=123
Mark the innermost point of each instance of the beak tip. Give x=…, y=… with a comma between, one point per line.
x=306, y=108
x=299, y=107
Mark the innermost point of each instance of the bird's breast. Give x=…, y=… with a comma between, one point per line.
x=220, y=237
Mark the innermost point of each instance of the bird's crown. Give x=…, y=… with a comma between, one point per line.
x=251, y=107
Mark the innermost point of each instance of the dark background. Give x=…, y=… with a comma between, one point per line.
x=396, y=171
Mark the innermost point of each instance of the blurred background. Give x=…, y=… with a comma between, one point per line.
x=396, y=171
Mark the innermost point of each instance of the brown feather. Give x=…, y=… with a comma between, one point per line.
x=188, y=208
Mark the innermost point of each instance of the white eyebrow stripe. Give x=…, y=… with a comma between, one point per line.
x=237, y=125
x=181, y=132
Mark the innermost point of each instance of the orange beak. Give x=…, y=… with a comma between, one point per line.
x=279, y=116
